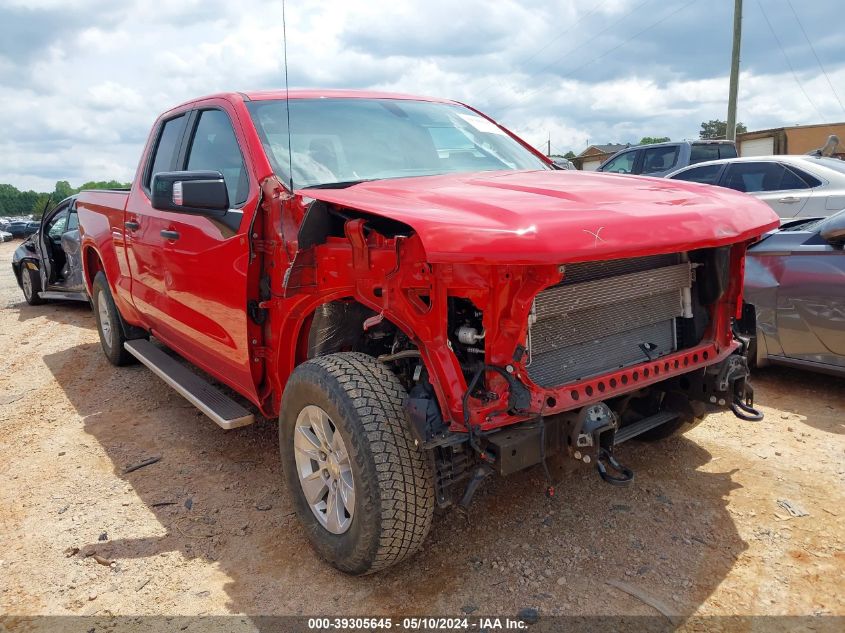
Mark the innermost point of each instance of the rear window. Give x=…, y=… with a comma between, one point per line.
x=701, y=152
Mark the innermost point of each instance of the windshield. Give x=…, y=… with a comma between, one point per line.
x=343, y=141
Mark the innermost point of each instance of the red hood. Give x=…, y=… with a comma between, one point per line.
x=542, y=217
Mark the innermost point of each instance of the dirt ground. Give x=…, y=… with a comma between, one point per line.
x=209, y=528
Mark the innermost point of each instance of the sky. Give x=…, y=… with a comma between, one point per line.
x=81, y=81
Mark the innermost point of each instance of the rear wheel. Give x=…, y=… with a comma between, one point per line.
x=109, y=323
x=361, y=487
x=31, y=285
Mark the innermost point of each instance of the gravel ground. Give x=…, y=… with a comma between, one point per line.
x=209, y=530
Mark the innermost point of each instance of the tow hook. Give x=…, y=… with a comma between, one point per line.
x=595, y=428
x=626, y=474
x=731, y=382
x=745, y=410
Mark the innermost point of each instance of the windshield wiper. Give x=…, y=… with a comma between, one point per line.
x=343, y=184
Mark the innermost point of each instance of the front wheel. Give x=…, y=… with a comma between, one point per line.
x=361, y=487
x=31, y=285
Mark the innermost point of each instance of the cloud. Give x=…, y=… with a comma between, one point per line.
x=81, y=81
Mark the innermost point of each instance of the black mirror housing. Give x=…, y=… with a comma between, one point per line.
x=195, y=192
x=832, y=230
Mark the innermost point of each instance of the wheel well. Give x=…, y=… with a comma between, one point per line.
x=17, y=269
x=93, y=265
x=346, y=325
x=338, y=326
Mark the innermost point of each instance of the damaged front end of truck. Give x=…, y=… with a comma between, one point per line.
x=512, y=356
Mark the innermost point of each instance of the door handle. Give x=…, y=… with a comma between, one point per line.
x=789, y=199
x=131, y=225
x=170, y=235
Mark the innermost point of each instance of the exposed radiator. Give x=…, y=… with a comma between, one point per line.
x=604, y=315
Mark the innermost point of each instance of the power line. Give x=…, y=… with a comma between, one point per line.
x=786, y=58
x=812, y=48
x=504, y=109
x=549, y=43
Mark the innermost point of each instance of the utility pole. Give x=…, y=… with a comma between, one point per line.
x=730, y=131
x=549, y=153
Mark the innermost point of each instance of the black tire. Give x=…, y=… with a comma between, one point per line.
x=394, y=489
x=113, y=339
x=31, y=285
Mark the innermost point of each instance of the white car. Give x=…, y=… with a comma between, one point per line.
x=794, y=186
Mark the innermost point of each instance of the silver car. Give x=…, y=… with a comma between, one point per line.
x=794, y=186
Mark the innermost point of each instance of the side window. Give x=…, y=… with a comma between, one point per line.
x=164, y=158
x=808, y=180
x=659, y=158
x=622, y=164
x=56, y=225
x=72, y=221
x=707, y=174
x=764, y=176
x=215, y=148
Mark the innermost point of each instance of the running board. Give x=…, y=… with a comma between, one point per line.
x=63, y=296
x=633, y=430
x=225, y=412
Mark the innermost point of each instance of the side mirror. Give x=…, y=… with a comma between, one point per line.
x=832, y=230
x=197, y=192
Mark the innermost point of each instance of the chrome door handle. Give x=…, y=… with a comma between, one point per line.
x=789, y=199
x=132, y=226
x=170, y=235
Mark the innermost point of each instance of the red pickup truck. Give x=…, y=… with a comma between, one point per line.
x=418, y=295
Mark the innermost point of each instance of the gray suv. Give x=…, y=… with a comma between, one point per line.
x=661, y=159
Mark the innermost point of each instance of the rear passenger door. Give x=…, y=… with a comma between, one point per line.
x=143, y=226
x=205, y=259
x=771, y=182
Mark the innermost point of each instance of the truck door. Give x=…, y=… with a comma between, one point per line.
x=205, y=260
x=143, y=225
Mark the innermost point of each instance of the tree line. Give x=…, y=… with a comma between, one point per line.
x=14, y=202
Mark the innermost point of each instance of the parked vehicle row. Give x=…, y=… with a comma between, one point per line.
x=21, y=228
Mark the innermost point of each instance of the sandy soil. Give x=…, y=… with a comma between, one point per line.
x=209, y=530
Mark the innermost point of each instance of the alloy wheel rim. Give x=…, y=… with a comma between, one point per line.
x=324, y=469
x=105, y=321
x=26, y=282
